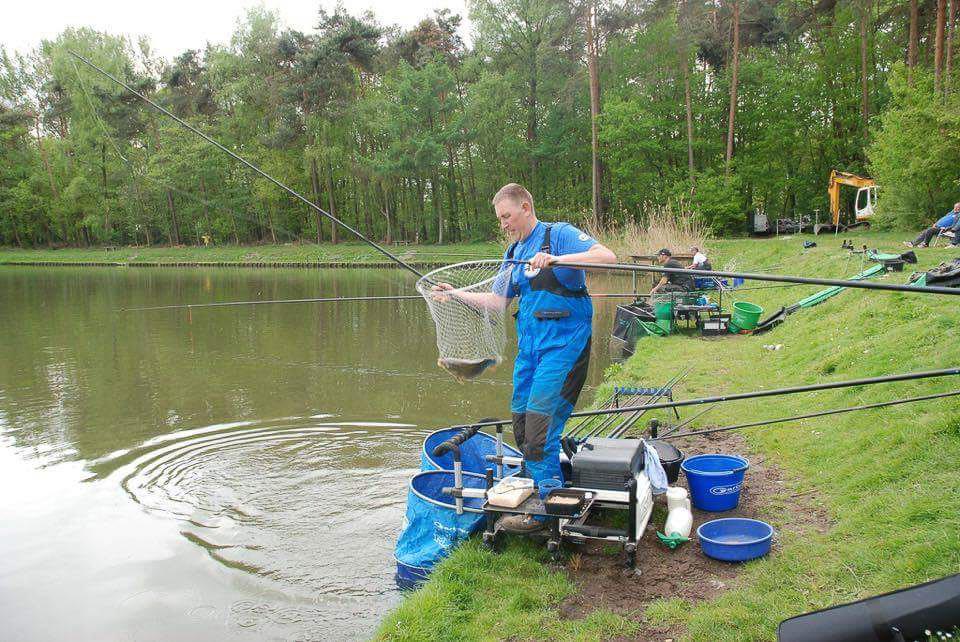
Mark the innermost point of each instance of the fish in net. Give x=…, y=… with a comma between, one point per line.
x=468, y=303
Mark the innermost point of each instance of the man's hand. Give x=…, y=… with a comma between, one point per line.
x=541, y=260
x=437, y=292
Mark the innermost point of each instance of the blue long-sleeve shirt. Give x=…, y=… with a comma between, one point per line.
x=949, y=220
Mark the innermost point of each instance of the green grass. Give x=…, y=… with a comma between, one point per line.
x=351, y=252
x=479, y=595
x=886, y=480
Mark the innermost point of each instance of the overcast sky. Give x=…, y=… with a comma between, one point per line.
x=176, y=25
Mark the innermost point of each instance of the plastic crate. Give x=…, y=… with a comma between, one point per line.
x=714, y=325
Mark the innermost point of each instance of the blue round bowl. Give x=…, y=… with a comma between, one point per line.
x=735, y=539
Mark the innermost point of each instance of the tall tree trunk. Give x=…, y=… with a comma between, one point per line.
x=174, y=226
x=454, y=215
x=103, y=185
x=421, y=233
x=16, y=233
x=469, y=154
x=734, y=79
x=864, y=72
x=143, y=216
x=599, y=214
x=948, y=70
x=472, y=181
x=315, y=186
x=465, y=224
x=387, y=211
x=367, y=205
x=271, y=210
x=689, y=110
x=532, y=119
x=938, y=45
x=435, y=202
x=334, y=232
x=687, y=103
x=53, y=185
x=355, y=191
x=206, y=206
x=914, y=41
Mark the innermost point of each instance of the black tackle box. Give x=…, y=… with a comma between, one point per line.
x=606, y=464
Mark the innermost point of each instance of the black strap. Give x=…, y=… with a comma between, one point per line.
x=545, y=248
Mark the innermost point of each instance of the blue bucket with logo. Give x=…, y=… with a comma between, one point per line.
x=715, y=481
x=473, y=453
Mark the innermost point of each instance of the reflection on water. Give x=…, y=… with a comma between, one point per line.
x=218, y=474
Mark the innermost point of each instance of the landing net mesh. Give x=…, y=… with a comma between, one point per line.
x=468, y=304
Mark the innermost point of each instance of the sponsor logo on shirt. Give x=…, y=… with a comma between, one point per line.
x=584, y=237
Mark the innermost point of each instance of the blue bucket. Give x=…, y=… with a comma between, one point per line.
x=431, y=527
x=735, y=539
x=715, y=480
x=473, y=453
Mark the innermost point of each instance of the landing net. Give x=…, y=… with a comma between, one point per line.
x=468, y=304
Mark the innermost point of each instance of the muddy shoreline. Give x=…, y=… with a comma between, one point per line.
x=686, y=573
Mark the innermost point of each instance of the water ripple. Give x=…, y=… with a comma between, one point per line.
x=309, y=508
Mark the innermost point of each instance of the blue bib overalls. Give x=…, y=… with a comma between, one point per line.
x=553, y=328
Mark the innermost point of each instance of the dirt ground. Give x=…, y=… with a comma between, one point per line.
x=685, y=573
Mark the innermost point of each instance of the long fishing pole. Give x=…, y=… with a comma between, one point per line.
x=250, y=165
x=398, y=297
x=850, y=383
x=823, y=413
x=686, y=422
x=844, y=283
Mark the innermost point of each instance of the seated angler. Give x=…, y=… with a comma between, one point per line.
x=670, y=281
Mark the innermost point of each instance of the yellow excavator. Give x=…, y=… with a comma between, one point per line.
x=863, y=205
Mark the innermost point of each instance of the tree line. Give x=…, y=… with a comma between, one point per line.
x=605, y=110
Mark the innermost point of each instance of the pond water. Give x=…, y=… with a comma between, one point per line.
x=215, y=473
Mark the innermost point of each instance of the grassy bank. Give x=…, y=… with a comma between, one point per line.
x=294, y=254
x=886, y=479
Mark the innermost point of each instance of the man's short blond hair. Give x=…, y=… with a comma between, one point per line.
x=515, y=192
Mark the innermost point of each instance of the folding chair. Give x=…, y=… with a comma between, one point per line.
x=945, y=233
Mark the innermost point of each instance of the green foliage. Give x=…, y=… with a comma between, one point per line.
x=406, y=134
x=916, y=153
x=718, y=202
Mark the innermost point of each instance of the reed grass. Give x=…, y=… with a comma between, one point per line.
x=672, y=227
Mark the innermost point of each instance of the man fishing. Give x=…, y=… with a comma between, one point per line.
x=553, y=328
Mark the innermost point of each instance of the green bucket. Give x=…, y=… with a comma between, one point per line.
x=745, y=316
x=663, y=310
